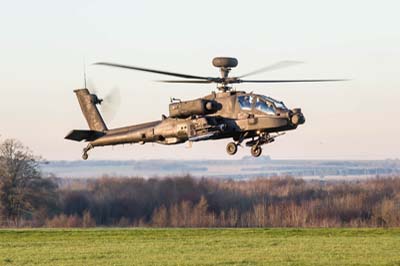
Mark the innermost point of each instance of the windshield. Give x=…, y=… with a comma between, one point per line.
x=278, y=104
x=264, y=106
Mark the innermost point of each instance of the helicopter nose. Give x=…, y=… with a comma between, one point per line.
x=297, y=117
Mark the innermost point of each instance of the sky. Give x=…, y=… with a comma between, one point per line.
x=44, y=44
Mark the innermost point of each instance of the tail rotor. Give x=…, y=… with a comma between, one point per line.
x=109, y=104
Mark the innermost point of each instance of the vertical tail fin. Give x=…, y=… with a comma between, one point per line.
x=92, y=115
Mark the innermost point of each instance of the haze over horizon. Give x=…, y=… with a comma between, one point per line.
x=44, y=44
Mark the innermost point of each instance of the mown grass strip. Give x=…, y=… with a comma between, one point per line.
x=278, y=246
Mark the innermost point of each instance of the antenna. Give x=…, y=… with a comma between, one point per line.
x=84, y=73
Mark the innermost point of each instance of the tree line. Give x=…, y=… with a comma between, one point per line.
x=27, y=199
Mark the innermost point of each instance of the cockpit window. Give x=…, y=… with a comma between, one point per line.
x=245, y=102
x=278, y=104
x=264, y=106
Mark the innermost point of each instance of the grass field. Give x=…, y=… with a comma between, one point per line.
x=200, y=247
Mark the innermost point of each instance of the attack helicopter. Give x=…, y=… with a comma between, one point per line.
x=226, y=113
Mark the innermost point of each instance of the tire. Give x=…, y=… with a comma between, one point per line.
x=256, y=151
x=231, y=148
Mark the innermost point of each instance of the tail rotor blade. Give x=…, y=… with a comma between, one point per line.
x=111, y=103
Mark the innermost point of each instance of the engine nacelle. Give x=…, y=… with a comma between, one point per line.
x=196, y=107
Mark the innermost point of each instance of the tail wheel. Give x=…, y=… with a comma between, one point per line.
x=85, y=155
x=256, y=150
x=231, y=148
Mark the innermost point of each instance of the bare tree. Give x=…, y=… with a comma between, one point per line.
x=22, y=190
x=160, y=217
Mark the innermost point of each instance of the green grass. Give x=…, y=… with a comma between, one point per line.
x=200, y=247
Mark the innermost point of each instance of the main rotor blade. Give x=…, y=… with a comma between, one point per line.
x=153, y=71
x=186, y=81
x=287, y=80
x=277, y=65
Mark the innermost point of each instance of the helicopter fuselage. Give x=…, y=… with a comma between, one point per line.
x=232, y=114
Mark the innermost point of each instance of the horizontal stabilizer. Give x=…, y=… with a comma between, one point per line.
x=87, y=135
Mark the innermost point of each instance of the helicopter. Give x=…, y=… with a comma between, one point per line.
x=226, y=113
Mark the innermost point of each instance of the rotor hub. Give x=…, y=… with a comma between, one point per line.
x=225, y=62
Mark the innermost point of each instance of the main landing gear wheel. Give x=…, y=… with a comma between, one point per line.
x=231, y=148
x=256, y=150
x=85, y=156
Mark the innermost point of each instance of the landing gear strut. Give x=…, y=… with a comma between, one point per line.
x=263, y=138
x=255, y=143
x=232, y=147
x=85, y=154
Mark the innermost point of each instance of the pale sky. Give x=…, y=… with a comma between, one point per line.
x=43, y=45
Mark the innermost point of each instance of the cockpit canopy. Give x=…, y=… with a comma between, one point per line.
x=260, y=103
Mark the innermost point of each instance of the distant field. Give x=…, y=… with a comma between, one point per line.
x=200, y=247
